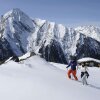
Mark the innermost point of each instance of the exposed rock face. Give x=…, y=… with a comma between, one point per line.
x=5, y=50
x=53, y=52
x=88, y=47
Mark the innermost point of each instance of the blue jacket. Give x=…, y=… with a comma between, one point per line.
x=73, y=65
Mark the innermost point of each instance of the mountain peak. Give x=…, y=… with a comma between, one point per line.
x=18, y=15
x=90, y=31
x=16, y=28
x=92, y=27
x=14, y=11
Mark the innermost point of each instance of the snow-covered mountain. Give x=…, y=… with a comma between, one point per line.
x=90, y=31
x=16, y=27
x=70, y=40
x=54, y=41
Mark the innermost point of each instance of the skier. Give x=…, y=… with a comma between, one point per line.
x=72, y=70
x=84, y=74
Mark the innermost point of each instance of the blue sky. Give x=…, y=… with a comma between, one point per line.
x=67, y=12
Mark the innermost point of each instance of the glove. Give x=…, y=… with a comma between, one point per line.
x=67, y=67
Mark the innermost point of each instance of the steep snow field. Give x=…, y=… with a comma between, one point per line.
x=35, y=79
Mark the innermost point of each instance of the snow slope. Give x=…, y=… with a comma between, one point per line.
x=36, y=79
